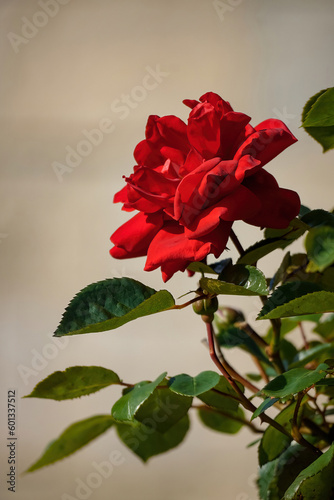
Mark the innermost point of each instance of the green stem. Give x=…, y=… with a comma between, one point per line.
x=186, y=304
x=295, y=432
x=272, y=350
x=274, y=346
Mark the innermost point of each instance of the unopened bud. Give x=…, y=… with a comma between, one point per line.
x=226, y=316
x=206, y=306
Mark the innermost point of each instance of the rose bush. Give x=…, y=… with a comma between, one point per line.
x=191, y=182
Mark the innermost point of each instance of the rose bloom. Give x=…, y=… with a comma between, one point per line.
x=191, y=182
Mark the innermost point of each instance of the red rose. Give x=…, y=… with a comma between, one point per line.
x=191, y=182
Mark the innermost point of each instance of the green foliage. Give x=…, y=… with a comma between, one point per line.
x=200, y=267
x=225, y=422
x=221, y=396
x=193, y=386
x=127, y=406
x=294, y=371
x=74, y=382
x=276, y=476
x=318, y=118
x=73, y=438
x=273, y=442
x=235, y=337
x=146, y=442
x=318, y=217
x=326, y=328
x=297, y=298
x=164, y=407
x=294, y=381
x=237, y=280
x=267, y=403
x=319, y=245
x=274, y=239
x=110, y=304
x=316, y=482
x=313, y=354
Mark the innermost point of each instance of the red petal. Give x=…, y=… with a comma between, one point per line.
x=231, y=126
x=204, y=187
x=204, y=130
x=191, y=103
x=152, y=186
x=193, y=161
x=133, y=238
x=171, y=250
x=147, y=154
x=279, y=206
x=121, y=196
x=270, y=138
x=236, y=206
x=173, y=131
x=216, y=101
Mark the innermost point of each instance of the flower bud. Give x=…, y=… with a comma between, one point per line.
x=206, y=306
x=226, y=316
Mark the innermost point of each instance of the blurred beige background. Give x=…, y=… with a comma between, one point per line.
x=63, y=78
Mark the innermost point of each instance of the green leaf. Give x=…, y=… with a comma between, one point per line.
x=321, y=113
x=293, y=381
x=146, y=442
x=73, y=438
x=318, y=118
x=318, y=217
x=297, y=298
x=239, y=280
x=326, y=328
x=304, y=210
x=74, y=382
x=325, y=382
x=109, y=304
x=276, y=476
x=200, y=267
x=281, y=271
x=319, y=245
x=222, y=396
x=267, y=403
x=193, y=386
x=316, y=482
x=127, y=406
x=305, y=356
x=163, y=409
x=273, y=442
x=310, y=102
x=313, y=318
x=288, y=352
x=274, y=239
x=235, y=337
x=327, y=279
x=228, y=423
